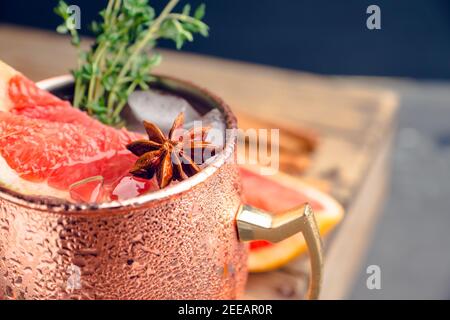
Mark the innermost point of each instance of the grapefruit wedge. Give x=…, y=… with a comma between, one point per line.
x=277, y=194
x=47, y=146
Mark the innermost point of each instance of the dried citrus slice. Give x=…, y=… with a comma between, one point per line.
x=277, y=194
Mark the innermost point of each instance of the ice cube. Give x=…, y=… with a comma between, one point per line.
x=130, y=187
x=159, y=108
x=90, y=190
x=215, y=120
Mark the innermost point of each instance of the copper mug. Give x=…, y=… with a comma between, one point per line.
x=187, y=241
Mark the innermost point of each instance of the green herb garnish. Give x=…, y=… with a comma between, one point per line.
x=122, y=56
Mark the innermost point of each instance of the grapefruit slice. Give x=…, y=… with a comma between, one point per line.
x=277, y=194
x=6, y=74
x=46, y=145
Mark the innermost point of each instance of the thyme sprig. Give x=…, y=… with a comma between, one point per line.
x=122, y=56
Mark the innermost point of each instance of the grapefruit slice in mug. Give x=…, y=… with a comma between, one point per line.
x=277, y=194
x=46, y=145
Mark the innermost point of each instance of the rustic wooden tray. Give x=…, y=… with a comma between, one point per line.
x=355, y=125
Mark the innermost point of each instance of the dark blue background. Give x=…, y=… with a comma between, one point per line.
x=314, y=35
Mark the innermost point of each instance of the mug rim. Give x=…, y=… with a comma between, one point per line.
x=61, y=206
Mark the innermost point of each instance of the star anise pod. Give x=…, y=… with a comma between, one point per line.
x=170, y=157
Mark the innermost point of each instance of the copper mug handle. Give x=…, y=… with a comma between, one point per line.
x=254, y=224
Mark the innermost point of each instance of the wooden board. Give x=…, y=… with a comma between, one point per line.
x=354, y=122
